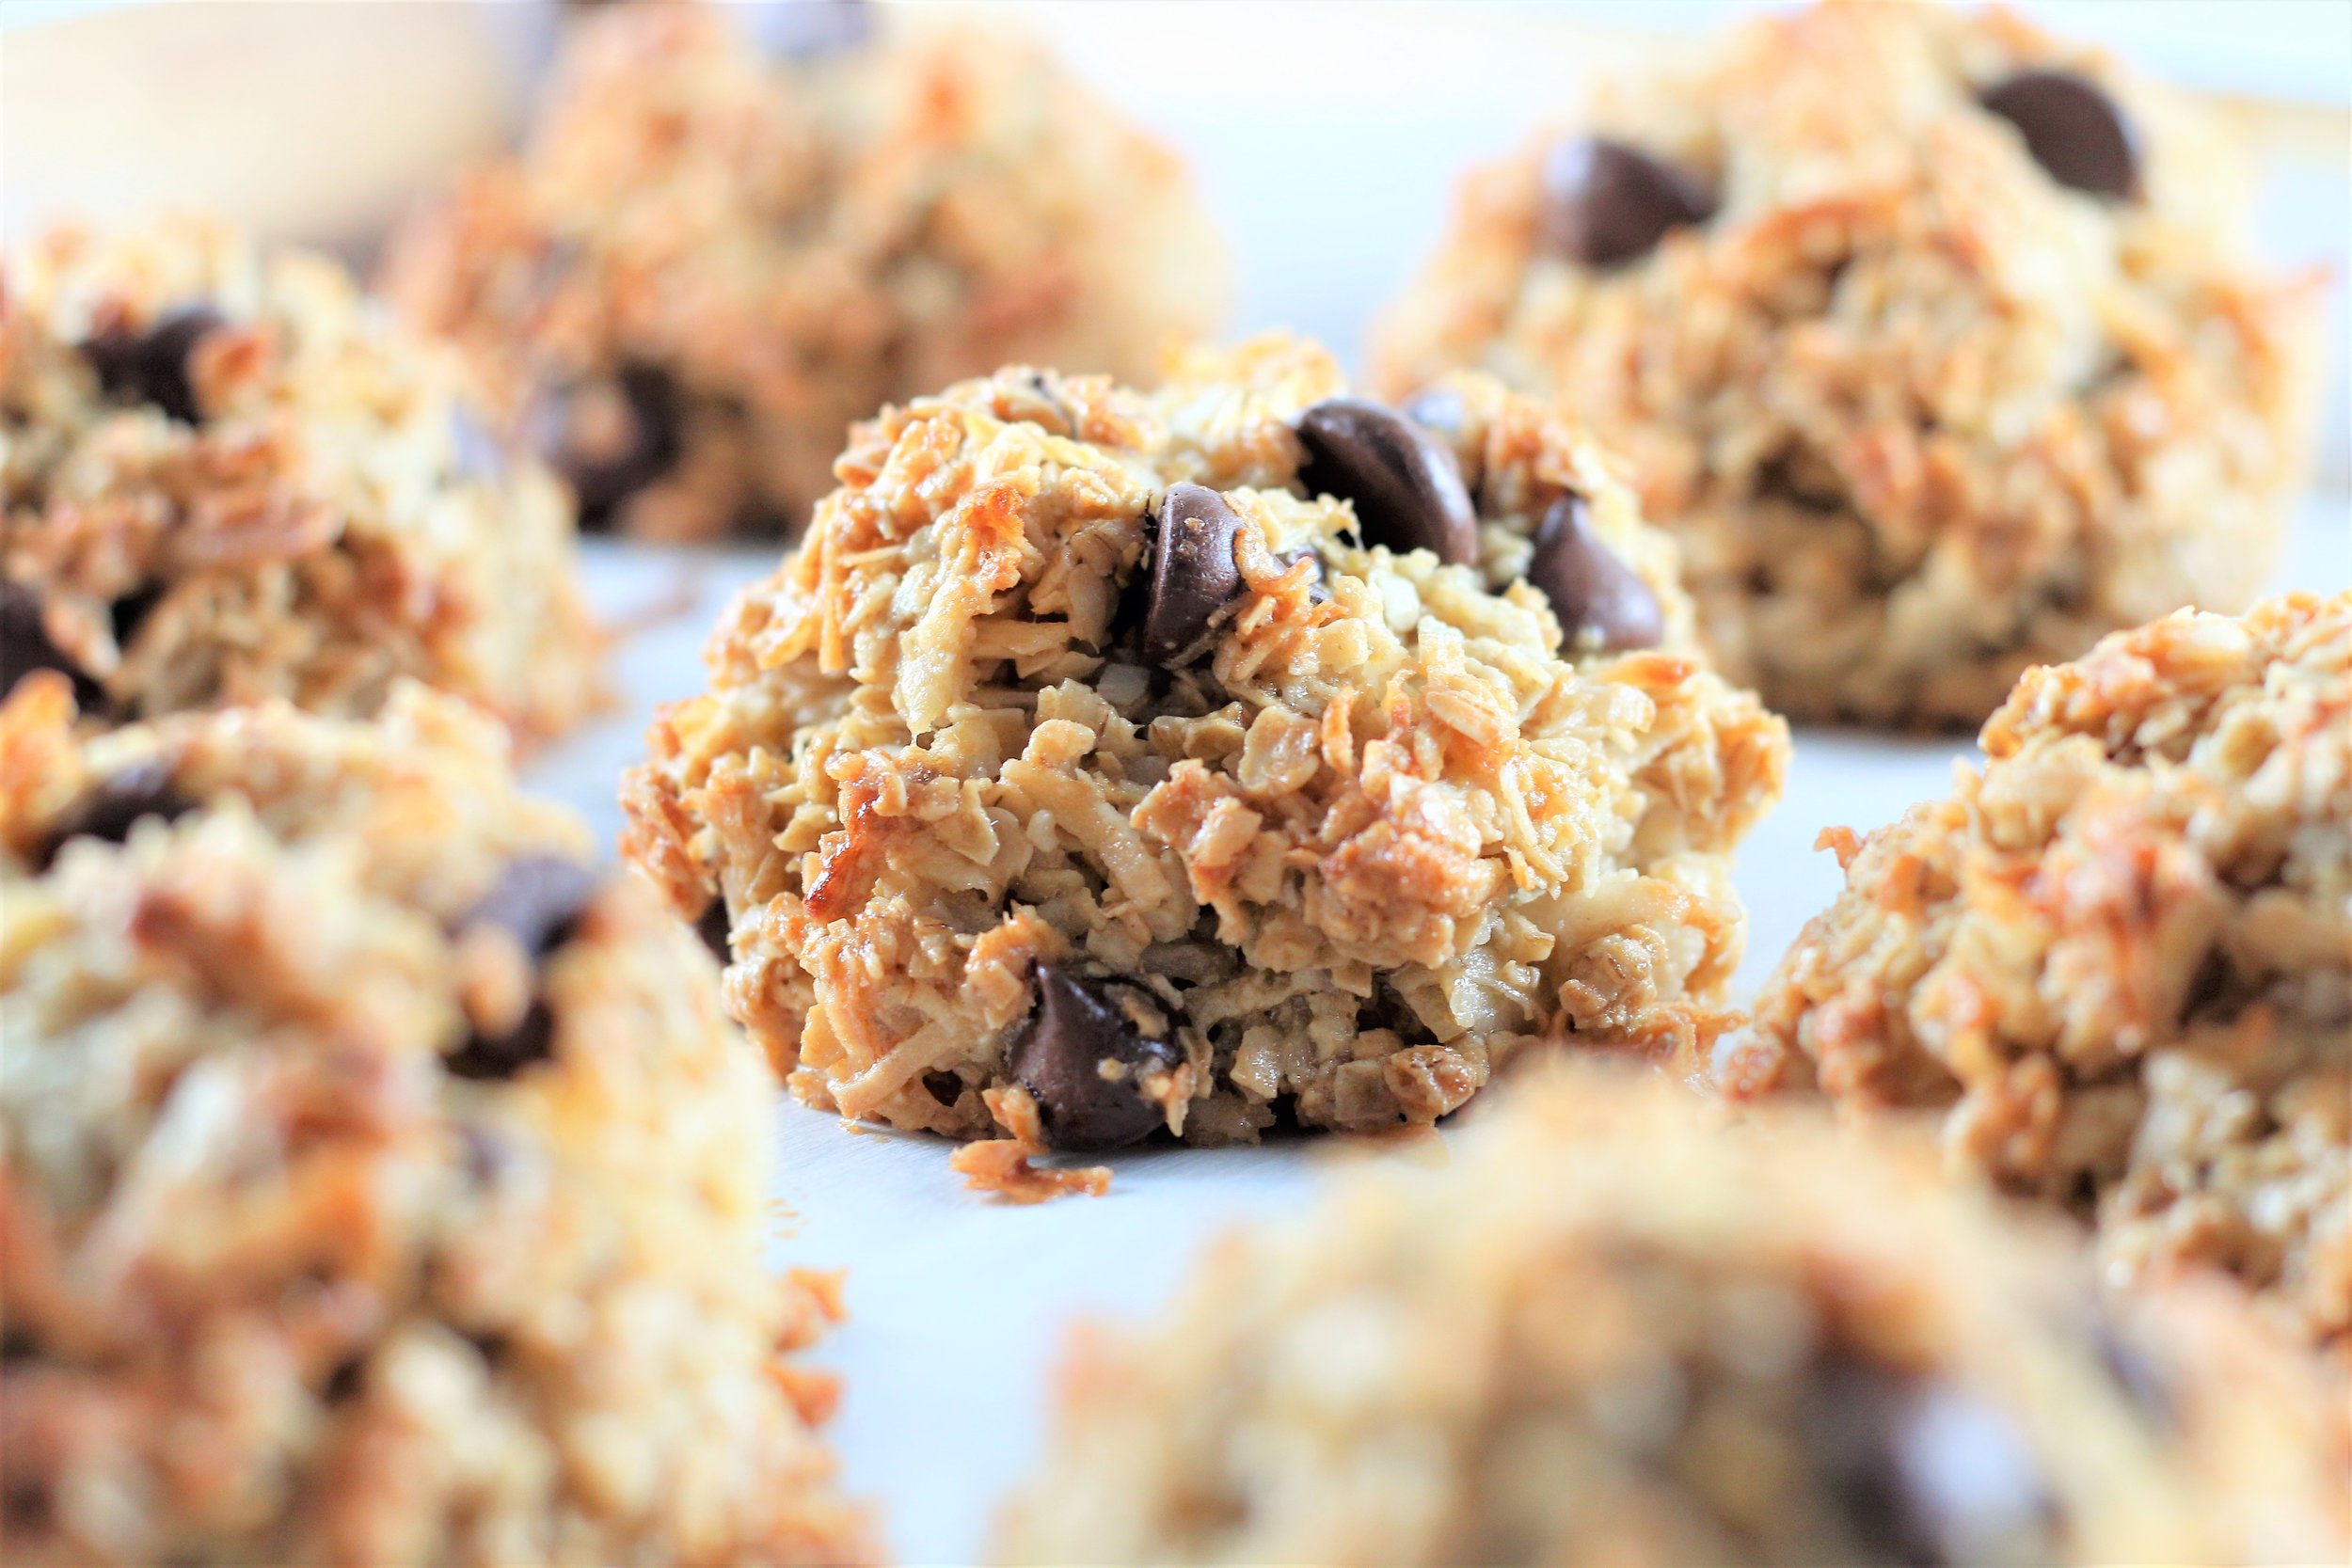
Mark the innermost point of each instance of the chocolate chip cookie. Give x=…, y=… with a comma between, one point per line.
x=1602, y=1333
x=381, y=1183
x=2117, y=962
x=1106, y=763
x=1929, y=335
x=718, y=248
x=227, y=477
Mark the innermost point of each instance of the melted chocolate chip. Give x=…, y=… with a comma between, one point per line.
x=1193, y=579
x=1059, y=1057
x=717, y=931
x=538, y=899
x=107, y=811
x=1405, y=486
x=2072, y=129
x=613, y=439
x=153, y=366
x=1922, y=1473
x=810, y=29
x=1591, y=590
x=1607, y=204
x=25, y=646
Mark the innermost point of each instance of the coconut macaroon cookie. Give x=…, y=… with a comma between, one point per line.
x=720, y=246
x=381, y=1184
x=228, y=477
x=2117, y=961
x=1107, y=762
x=1925, y=333
x=1604, y=1334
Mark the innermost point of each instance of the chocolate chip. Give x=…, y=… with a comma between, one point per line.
x=491, y=1057
x=1405, y=485
x=1607, y=203
x=1317, y=592
x=2071, y=128
x=810, y=29
x=611, y=440
x=538, y=899
x=717, y=931
x=1591, y=591
x=1922, y=1472
x=107, y=810
x=153, y=366
x=1193, y=578
x=1060, y=1055
x=25, y=646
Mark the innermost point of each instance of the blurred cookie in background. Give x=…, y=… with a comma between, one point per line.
x=1608, y=1331
x=2117, y=962
x=382, y=1185
x=1929, y=335
x=228, y=476
x=733, y=230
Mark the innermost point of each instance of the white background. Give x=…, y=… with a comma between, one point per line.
x=1327, y=134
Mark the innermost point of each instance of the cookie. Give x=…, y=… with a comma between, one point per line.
x=1107, y=763
x=228, y=477
x=2117, y=961
x=1929, y=335
x=1605, y=1334
x=718, y=249
x=382, y=1183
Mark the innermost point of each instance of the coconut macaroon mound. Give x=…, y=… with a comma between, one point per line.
x=228, y=477
x=2117, y=961
x=1107, y=762
x=381, y=1184
x=1927, y=334
x=734, y=231
x=1606, y=1333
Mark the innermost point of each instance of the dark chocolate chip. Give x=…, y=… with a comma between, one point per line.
x=538, y=899
x=1606, y=203
x=610, y=441
x=1317, y=592
x=107, y=810
x=1193, y=579
x=1060, y=1054
x=25, y=646
x=153, y=366
x=809, y=29
x=1405, y=485
x=129, y=612
x=1921, y=1472
x=717, y=931
x=1590, y=589
x=490, y=1058
x=2072, y=129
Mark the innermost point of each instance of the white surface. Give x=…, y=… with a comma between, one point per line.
x=956, y=1302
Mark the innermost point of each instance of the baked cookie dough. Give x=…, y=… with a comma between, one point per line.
x=720, y=249
x=2117, y=961
x=228, y=477
x=1925, y=333
x=1108, y=762
x=1605, y=1334
x=381, y=1184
